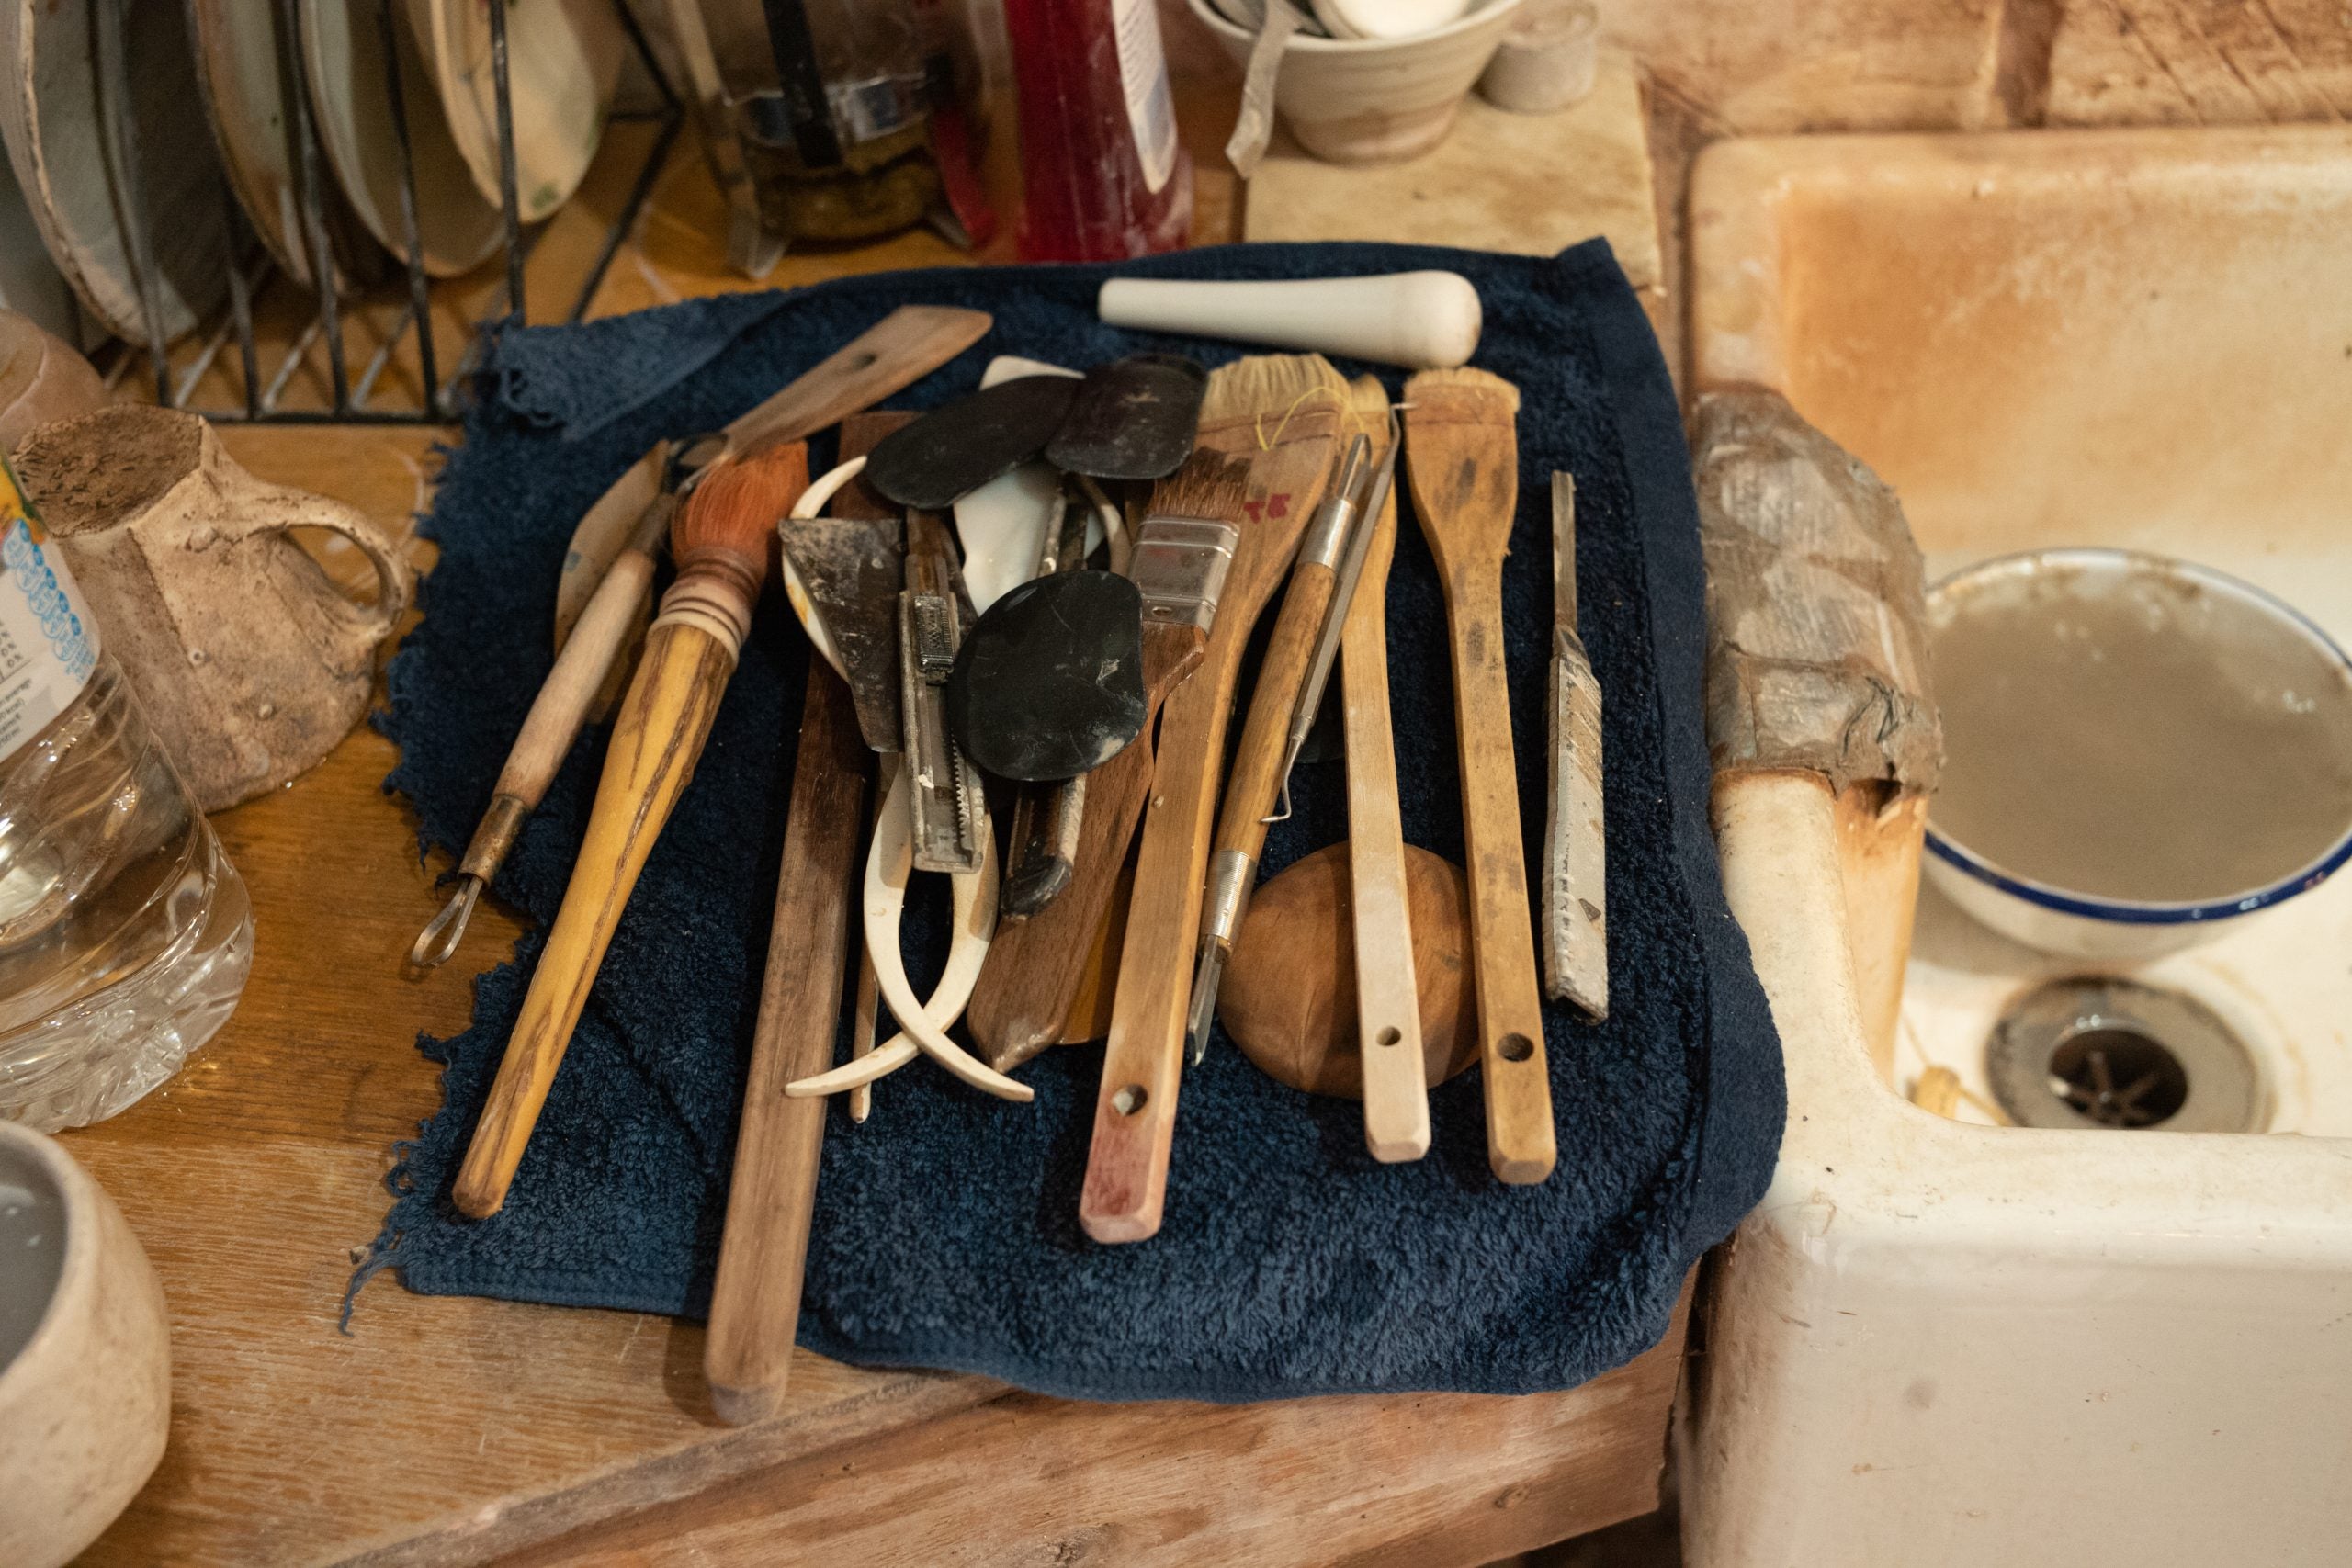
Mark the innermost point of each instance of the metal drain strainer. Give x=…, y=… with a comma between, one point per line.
x=2101, y=1053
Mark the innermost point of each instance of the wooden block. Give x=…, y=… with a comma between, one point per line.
x=1529, y=185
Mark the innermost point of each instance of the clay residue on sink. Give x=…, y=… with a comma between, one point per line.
x=2144, y=737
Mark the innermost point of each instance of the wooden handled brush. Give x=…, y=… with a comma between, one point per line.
x=720, y=543
x=1462, y=446
x=1282, y=413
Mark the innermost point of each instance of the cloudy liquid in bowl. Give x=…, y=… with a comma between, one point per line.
x=2136, y=732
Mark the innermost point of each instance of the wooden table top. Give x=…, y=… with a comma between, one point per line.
x=452, y=1430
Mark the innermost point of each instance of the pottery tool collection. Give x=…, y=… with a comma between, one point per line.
x=1031, y=607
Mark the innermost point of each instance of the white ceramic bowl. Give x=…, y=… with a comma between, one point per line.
x=2264, y=655
x=85, y=1369
x=1374, y=100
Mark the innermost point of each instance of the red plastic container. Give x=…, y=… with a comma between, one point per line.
x=1104, y=175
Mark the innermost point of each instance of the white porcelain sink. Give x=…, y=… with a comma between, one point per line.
x=1939, y=1343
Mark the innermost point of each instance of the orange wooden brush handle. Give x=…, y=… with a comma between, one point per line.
x=1256, y=779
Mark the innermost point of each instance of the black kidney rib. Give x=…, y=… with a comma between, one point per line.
x=955, y=449
x=1049, y=682
x=1132, y=419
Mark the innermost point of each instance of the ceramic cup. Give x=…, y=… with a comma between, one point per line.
x=246, y=658
x=1374, y=100
x=85, y=1366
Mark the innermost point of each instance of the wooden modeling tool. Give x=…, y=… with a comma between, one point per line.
x=1390, y=947
x=722, y=548
x=606, y=626
x=896, y=352
x=1576, y=867
x=1185, y=551
x=1262, y=762
x=1462, y=451
x=755, y=1300
x=1290, y=997
x=1285, y=414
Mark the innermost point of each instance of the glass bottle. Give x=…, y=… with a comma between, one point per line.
x=125, y=934
x=1104, y=174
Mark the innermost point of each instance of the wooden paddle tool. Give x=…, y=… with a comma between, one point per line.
x=1462, y=451
x=896, y=352
x=755, y=1300
x=722, y=548
x=1183, y=558
x=1285, y=414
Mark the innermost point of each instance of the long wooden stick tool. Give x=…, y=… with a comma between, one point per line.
x=1462, y=449
x=1388, y=1014
x=1283, y=413
x=722, y=548
x=755, y=1300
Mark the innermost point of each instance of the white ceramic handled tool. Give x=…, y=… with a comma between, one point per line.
x=1423, y=321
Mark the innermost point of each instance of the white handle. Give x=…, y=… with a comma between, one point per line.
x=1423, y=321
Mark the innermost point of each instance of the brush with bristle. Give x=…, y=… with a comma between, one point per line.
x=1183, y=550
x=720, y=543
x=1284, y=415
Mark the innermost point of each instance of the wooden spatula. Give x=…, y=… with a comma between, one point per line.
x=1462, y=449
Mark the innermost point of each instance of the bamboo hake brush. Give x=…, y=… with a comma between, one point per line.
x=720, y=543
x=604, y=627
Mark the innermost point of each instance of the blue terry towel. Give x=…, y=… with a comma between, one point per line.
x=946, y=1230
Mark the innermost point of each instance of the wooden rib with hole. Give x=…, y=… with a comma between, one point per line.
x=1388, y=1008
x=1462, y=450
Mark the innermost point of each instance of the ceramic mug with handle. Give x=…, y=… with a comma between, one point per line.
x=247, y=658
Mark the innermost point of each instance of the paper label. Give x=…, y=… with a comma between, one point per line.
x=1142, y=74
x=49, y=642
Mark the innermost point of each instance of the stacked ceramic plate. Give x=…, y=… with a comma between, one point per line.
x=208, y=96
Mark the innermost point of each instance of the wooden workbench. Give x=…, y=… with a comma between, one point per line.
x=460, y=1430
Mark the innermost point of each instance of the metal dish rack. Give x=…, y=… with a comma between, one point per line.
x=350, y=403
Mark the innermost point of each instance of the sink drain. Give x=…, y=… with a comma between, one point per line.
x=2103, y=1053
